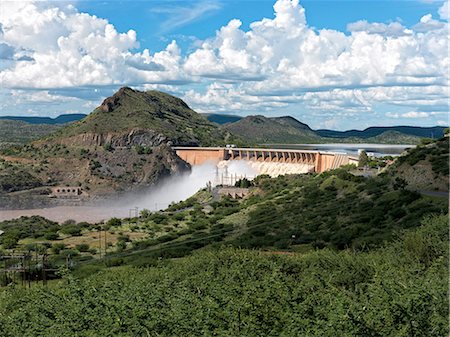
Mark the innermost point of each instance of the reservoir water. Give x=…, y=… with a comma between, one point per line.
x=375, y=149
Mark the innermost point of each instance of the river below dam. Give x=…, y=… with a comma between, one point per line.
x=160, y=196
x=181, y=187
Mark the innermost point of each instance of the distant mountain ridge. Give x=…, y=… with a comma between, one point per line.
x=378, y=133
x=418, y=131
x=61, y=119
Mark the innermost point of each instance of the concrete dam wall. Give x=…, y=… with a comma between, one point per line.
x=268, y=161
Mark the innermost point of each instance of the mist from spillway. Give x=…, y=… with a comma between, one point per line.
x=170, y=190
x=180, y=187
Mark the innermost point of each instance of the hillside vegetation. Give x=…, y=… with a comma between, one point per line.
x=397, y=290
x=260, y=130
x=332, y=254
x=424, y=167
x=14, y=132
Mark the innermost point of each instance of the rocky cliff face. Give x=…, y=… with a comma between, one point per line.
x=129, y=139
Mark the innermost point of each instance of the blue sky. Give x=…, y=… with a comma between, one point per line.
x=332, y=64
x=148, y=17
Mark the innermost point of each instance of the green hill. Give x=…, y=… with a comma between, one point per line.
x=155, y=117
x=260, y=130
x=222, y=118
x=288, y=130
x=392, y=137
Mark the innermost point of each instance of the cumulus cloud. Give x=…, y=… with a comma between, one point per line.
x=444, y=11
x=323, y=70
x=392, y=29
x=427, y=23
x=277, y=62
x=73, y=49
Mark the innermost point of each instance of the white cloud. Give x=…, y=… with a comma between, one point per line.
x=42, y=96
x=444, y=11
x=277, y=62
x=415, y=114
x=179, y=16
x=392, y=29
x=73, y=49
x=427, y=23
x=325, y=70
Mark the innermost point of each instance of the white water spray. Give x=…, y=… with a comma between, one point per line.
x=160, y=196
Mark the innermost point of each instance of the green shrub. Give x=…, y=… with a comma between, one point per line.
x=82, y=247
x=71, y=230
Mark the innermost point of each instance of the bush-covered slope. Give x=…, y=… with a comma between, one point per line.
x=260, y=130
x=334, y=209
x=222, y=118
x=15, y=132
x=424, y=167
x=398, y=290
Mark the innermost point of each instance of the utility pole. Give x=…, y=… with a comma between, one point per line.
x=105, y=243
x=100, y=241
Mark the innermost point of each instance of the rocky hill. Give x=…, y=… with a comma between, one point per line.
x=149, y=118
x=122, y=145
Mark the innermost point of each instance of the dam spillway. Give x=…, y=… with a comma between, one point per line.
x=316, y=161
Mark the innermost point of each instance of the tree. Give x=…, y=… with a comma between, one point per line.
x=363, y=159
x=9, y=240
x=243, y=183
x=114, y=222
